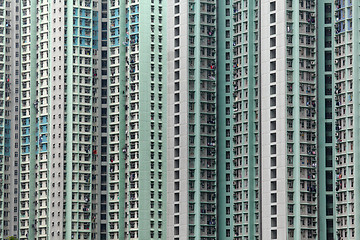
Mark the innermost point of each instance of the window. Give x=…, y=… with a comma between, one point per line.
x=177, y=75
x=272, y=30
x=272, y=42
x=177, y=64
x=177, y=9
x=272, y=18
x=272, y=6
x=177, y=20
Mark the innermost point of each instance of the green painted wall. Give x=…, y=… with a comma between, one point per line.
x=326, y=210
x=222, y=94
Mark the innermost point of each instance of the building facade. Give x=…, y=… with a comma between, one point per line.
x=86, y=71
x=137, y=119
x=288, y=120
x=59, y=190
x=246, y=117
x=191, y=168
x=326, y=120
x=10, y=84
x=178, y=119
x=345, y=81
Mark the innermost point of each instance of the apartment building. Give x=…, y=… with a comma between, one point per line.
x=326, y=120
x=273, y=166
x=246, y=116
x=178, y=119
x=59, y=192
x=345, y=137
x=9, y=101
x=191, y=163
x=137, y=120
x=288, y=120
